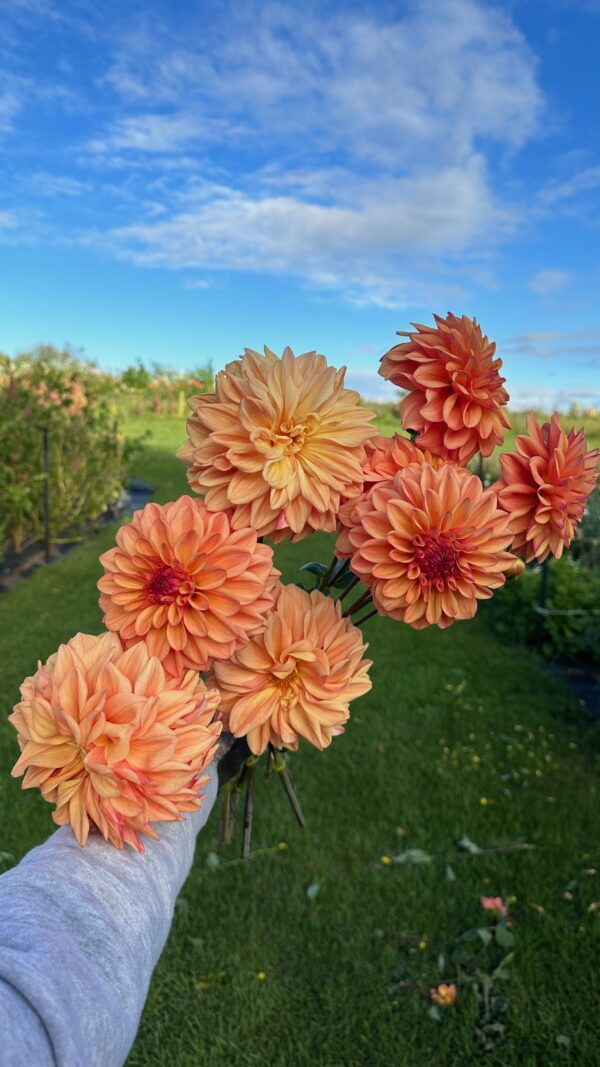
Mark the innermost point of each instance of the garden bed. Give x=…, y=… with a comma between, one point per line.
x=16, y=567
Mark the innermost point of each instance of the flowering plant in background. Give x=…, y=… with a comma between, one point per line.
x=116, y=730
x=63, y=396
x=444, y=994
x=495, y=906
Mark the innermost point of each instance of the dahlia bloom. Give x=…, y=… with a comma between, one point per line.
x=429, y=544
x=444, y=994
x=188, y=584
x=384, y=457
x=544, y=487
x=297, y=678
x=278, y=444
x=455, y=392
x=112, y=740
x=495, y=905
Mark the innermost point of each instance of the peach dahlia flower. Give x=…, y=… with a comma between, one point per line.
x=544, y=487
x=384, y=457
x=297, y=678
x=444, y=994
x=430, y=543
x=278, y=444
x=455, y=392
x=188, y=584
x=112, y=740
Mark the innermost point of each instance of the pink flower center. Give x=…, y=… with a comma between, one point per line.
x=164, y=585
x=436, y=557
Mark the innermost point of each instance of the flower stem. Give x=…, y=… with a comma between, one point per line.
x=248, y=812
x=351, y=585
x=278, y=764
x=325, y=580
x=369, y=615
x=292, y=795
x=360, y=603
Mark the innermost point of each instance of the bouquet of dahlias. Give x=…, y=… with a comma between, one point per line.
x=206, y=652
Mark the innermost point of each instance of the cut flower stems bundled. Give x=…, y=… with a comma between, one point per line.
x=207, y=656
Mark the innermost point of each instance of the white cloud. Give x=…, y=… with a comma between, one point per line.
x=548, y=344
x=583, y=181
x=553, y=398
x=46, y=184
x=368, y=84
x=8, y=220
x=197, y=283
x=10, y=105
x=549, y=281
x=358, y=242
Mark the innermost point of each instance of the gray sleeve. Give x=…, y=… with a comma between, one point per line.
x=81, y=930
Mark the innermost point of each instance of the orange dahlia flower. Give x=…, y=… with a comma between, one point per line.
x=455, y=392
x=429, y=544
x=444, y=994
x=544, y=487
x=278, y=444
x=188, y=584
x=297, y=678
x=384, y=457
x=112, y=740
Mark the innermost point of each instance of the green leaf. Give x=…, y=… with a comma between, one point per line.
x=212, y=860
x=434, y=1013
x=314, y=568
x=441, y=963
x=562, y=1039
x=450, y=874
x=500, y=971
x=480, y=933
x=313, y=890
x=504, y=936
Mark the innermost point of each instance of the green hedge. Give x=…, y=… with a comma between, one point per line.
x=571, y=587
x=88, y=457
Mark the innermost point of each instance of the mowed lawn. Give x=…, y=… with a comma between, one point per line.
x=461, y=735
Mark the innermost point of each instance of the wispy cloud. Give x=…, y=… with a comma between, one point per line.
x=155, y=133
x=357, y=242
x=565, y=345
x=367, y=83
x=46, y=184
x=549, y=281
x=583, y=181
x=553, y=398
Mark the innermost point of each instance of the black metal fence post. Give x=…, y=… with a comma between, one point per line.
x=46, y=497
x=542, y=600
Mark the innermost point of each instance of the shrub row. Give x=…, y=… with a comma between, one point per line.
x=55, y=391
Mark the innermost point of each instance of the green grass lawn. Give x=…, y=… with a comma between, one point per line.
x=461, y=735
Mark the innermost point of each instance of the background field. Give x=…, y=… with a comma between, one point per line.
x=461, y=735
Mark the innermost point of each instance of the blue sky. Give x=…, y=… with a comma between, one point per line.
x=179, y=180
